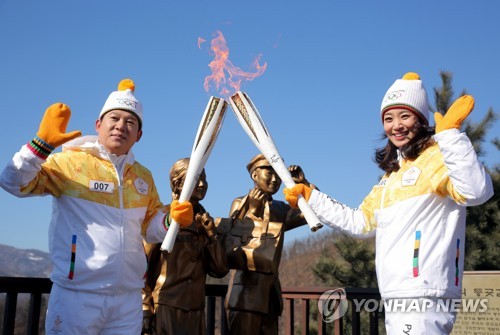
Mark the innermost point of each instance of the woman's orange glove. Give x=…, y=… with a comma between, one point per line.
x=292, y=194
x=182, y=212
x=52, y=130
x=455, y=115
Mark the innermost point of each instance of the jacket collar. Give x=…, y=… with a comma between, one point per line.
x=91, y=145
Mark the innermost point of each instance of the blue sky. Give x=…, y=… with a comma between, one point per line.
x=328, y=65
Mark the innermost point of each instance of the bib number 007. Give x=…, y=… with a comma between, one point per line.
x=101, y=186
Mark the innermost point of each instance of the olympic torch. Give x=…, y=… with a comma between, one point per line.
x=251, y=121
x=206, y=136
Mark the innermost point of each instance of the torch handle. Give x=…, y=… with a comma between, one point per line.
x=253, y=124
x=208, y=131
x=188, y=187
x=309, y=215
x=168, y=242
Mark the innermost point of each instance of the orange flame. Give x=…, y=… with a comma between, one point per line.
x=221, y=64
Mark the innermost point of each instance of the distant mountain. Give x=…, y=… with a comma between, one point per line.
x=23, y=262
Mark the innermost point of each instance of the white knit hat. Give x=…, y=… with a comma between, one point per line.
x=123, y=99
x=408, y=93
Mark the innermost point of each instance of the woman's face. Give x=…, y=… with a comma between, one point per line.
x=399, y=126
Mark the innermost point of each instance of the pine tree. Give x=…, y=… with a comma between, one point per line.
x=355, y=267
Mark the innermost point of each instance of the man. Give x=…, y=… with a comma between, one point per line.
x=254, y=301
x=103, y=203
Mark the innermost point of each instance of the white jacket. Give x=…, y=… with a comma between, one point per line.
x=102, y=205
x=418, y=217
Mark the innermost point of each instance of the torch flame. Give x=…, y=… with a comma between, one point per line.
x=221, y=64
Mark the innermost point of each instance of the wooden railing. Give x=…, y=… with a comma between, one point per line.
x=215, y=313
x=12, y=287
x=305, y=295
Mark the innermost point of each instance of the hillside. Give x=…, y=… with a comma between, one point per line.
x=300, y=256
x=23, y=263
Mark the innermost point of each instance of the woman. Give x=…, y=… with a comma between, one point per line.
x=417, y=210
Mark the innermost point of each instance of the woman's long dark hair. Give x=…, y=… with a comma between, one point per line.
x=387, y=157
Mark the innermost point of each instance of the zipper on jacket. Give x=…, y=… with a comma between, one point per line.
x=119, y=178
x=122, y=225
x=401, y=162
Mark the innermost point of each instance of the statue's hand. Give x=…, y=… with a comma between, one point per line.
x=207, y=222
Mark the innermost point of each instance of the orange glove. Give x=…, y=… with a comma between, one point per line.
x=52, y=130
x=182, y=212
x=455, y=115
x=292, y=194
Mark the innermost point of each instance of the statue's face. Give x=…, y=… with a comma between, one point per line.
x=200, y=190
x=266, y=179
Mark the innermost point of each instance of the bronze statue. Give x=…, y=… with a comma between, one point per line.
x=254, y=301
x=175, y=282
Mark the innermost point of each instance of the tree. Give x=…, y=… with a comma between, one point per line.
x=354, y=267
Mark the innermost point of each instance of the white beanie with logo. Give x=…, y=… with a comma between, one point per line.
x=123, y=99
x=408, y=93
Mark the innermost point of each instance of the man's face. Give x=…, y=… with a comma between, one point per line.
x=118, y=131
x=266, y=179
